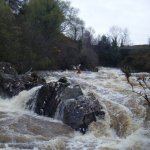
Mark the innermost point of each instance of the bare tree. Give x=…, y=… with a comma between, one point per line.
x=89, y=56
x=75, y=28
x=125, y=37
x=72, y=25
x=115, y=35
x=88, y=37
x=149, y=41
x=118, y=36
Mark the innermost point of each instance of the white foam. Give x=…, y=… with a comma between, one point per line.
x=17, y=103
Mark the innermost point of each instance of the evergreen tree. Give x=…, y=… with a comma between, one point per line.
x=44, y=16
x=8, y=33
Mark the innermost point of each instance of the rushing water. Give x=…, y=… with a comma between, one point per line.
x=126, y=125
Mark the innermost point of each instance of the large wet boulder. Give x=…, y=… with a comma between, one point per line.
x=12, y=84
x=51, y=94
x=66, y=102
x=79, y=112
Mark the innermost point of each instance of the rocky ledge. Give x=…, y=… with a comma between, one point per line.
x=11, y=83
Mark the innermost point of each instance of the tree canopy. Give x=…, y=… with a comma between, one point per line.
x=48, y=34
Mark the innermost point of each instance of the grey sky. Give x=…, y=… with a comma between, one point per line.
x=131, y=14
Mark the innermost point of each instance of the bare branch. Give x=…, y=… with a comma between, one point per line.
x=141, y=82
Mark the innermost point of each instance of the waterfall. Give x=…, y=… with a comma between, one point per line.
x=17, y=103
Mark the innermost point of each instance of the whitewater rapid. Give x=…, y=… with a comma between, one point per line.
x=126, y=125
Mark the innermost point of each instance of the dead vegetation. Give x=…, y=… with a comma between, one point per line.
x=142, y=81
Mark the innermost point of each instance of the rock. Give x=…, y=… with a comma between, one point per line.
x=7, y=84
x=66, y=102
x=95, y=69
x=49, y=96
x=80, y=112
x=7, y=78
x=63, y=80
x=31, y=80
x=12, y=84
x=7, y=68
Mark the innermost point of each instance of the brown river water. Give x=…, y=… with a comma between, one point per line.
x=126, y=125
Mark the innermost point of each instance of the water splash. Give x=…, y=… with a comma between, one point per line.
x=17, y=103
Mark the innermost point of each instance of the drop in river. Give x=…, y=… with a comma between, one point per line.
x=126, y=125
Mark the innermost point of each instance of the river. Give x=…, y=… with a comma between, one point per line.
x=126, y=125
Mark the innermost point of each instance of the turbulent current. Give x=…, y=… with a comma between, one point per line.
x=126, y=125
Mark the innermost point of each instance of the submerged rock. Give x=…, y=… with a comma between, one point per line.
x=66, y=102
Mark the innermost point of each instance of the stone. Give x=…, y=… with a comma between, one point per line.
x=7, y=68
x=12, y=84
x=80, y=112
x=67, y=103
x=48, y=98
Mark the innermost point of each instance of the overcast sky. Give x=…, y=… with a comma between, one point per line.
x=131, y=14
